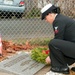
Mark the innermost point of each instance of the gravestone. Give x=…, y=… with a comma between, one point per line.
x=20, y=64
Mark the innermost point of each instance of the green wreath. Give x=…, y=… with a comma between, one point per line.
x=39, y=54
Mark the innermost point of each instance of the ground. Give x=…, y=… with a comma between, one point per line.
x=9, y=49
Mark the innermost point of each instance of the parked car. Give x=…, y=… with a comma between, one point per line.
x=9, y=8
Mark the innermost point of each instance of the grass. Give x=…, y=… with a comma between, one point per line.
x=36, y=41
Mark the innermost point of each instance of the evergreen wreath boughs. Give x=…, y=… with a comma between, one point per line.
x=39, y=54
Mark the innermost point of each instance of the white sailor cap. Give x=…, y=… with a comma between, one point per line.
x=47, y=9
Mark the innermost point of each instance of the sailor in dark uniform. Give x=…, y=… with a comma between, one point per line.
x=62, y=47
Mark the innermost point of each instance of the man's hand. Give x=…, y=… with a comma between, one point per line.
x=48, y=60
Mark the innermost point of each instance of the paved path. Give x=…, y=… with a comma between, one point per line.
x=41, y=72
x=9, y=70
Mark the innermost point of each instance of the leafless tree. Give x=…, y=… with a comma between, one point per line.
x=67, y=7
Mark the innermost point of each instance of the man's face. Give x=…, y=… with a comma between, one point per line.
x=49, y=18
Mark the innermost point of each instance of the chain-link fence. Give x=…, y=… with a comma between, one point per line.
x=28, y=25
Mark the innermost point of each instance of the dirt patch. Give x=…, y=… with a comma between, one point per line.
x=9, y=48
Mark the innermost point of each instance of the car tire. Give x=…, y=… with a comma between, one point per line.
x=9, y=16
x=6, y=15
x=19, y=15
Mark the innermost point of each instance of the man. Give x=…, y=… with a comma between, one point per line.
x=62, y=47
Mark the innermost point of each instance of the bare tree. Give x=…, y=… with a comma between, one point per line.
x=43, y=2
x=67, y=7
